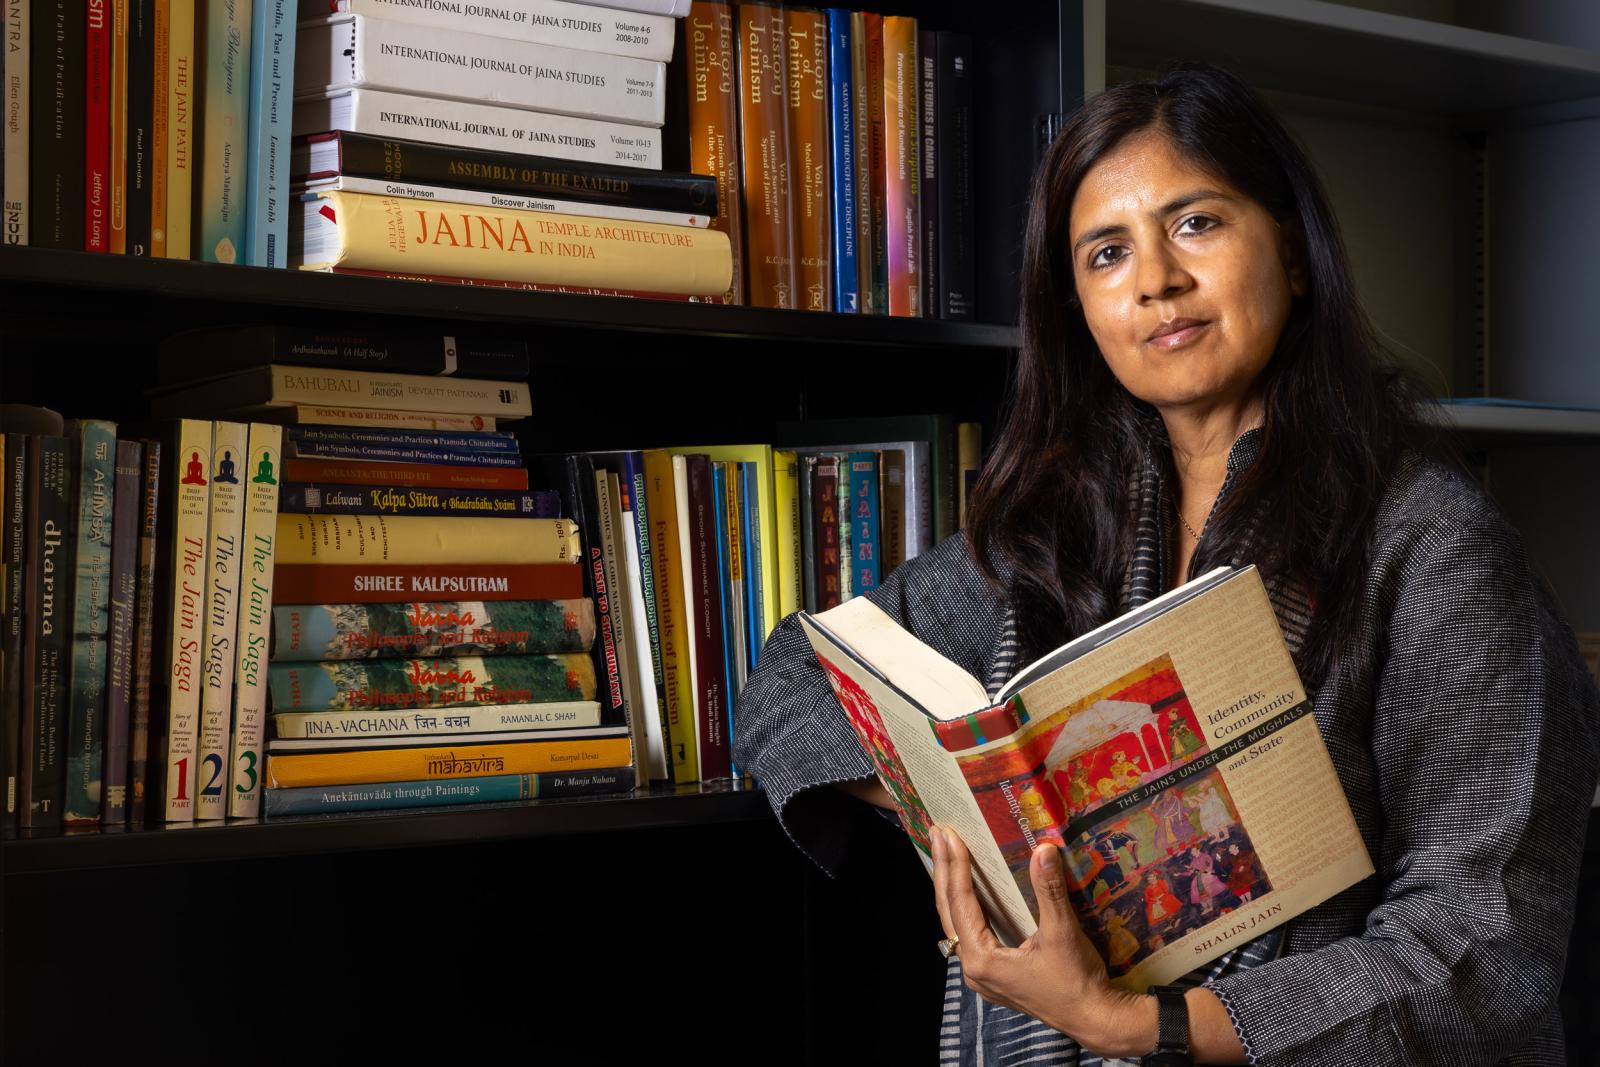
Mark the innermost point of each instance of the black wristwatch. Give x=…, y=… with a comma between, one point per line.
x=1172, y=1029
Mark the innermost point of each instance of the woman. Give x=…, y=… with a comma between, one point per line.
x=1197, y=386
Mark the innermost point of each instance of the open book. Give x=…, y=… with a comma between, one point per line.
x=1171, y=754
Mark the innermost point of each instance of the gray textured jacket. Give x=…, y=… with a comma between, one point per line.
x=1465, y=730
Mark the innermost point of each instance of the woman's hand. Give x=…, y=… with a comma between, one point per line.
x=1056, y=975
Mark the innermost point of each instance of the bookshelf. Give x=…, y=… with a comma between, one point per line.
x=685, y=915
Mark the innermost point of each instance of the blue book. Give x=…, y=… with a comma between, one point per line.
x=842, y=135
x=266, y=224
x=719, y=502
x=94, y=456
x=325, y=799
x=755, y=601
x=864, y=509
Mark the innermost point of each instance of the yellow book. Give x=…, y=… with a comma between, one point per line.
x=786, y=519
x=119, y=127
x=424, y=539
x=661, y=502
x=761, y=456
x=158, y=131
x=180, y=108
x=468, y=760
x=400, y=234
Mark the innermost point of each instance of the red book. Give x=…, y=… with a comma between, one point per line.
x=342, y=472
x=825, y=531
x=97, y=129
x=360, y=583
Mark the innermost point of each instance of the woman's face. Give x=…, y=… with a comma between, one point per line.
x=1185, y=282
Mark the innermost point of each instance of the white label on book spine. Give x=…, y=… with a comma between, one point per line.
x=347, y=184
x=192, y=513
x=469, y=125
x=355, y=51
x=255, y=617
x=536, y=21
x=229, y=477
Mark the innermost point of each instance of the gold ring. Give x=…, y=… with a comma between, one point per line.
x=947, y=947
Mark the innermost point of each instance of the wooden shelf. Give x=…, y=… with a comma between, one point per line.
x=51, y=271
x=1507, y=424
x=1347, y=53
x=658, y=806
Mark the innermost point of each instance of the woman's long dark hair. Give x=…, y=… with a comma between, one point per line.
x=1053, y=498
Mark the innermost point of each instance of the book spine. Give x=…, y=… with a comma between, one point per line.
x=185, y=593
x=117, y=202
x=903, y=226
x=515, y=174
x=200, y=354
x=892, y=500
x=433, y=629
x=503, y=442
x=709, y=47
x=861, y=161
x=395, y=233
x=137, y=144
x=453, y=761
x=864, y=508
x=343, y=583
x=755, y=573
x=694, y=709
x=764, y=162
x=230, y=444
x=373, y=453
x=44, y=726
x=15, y=124
x=551, y=22
x=94, y=459
x=730, y=590
x=404, y=475
x=808, y=540
x=806, y=41
x=259, y=543
x=928, y=169
x=56, y=128
x=644, y=637
x=707, y=618
x=357, y=539
x=320, y=415
x=384, y=796
x=356, y=685
x=476, y=198
x=786, y=491
x=160, y=124
x=877, y=136
x=13, y=539
x=266, y=222
x=845, y=523
x=666, y=561
x=311, y=725
x=969, y=462
x=957, y=218
x=477, y=125
x=825, y=525
x=223, y=42
x=357, y=51
x=96, y=119
x=529, y=287
x=150, y=503
x=180, y=108
x=388, y=500
x=127, y=504
x=841, y=155
x=609, y=498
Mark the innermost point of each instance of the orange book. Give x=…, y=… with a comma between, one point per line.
x=472, y=759
x=714, y=120
x=119, y=126
x=764, y=144
x=811, y=184
x=901, y=140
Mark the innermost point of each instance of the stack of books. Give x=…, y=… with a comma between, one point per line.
x=847, y=137
x=497, y=144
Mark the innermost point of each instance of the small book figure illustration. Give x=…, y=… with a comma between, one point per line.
x=264, y=471
x=1171, y=755
x=194, y=473
x=225, y=469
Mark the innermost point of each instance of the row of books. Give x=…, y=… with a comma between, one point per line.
x=162, y=129
x=433, y=640
x=848, y=137
x=138, y=569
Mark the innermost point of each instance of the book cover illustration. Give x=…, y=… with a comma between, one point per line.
x=1152, y=852
x=437, y=629
x=875, y=740
x=431, y=683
